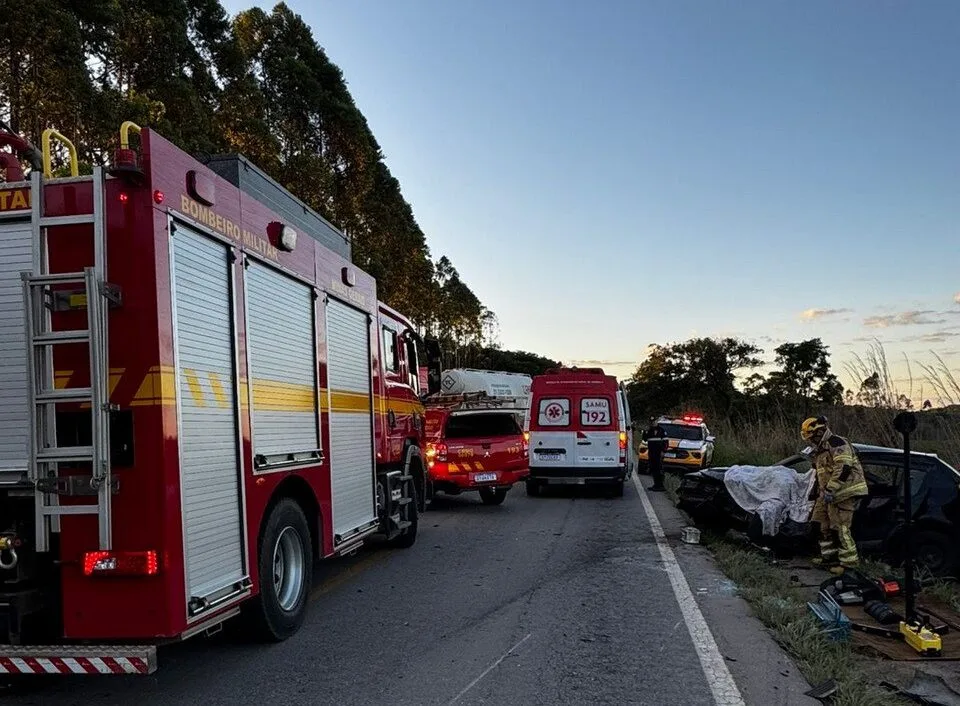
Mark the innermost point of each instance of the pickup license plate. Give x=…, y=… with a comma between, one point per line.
x=484, y=477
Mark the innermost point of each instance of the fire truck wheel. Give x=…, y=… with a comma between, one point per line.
x=493, y=496
x=286, y=565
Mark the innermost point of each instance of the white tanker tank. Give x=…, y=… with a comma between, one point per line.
x=463, y=381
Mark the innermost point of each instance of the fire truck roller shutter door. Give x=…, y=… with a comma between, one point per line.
x=15, y=244
x=206, y=390
x=351, y=418
x=282, y=353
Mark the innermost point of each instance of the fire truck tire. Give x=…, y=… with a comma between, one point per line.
x=493, y=496
x=285, y=567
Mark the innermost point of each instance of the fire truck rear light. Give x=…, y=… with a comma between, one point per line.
x=124, y=197
x=526, y=436
x=158, y=196
x=121, y=564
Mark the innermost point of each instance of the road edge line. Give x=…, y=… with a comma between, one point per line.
x=722, y=685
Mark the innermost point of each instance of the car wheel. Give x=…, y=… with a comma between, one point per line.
x=286, y=566
x=934, y=551
x=493, y=496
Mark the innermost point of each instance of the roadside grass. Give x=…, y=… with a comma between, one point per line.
x=782, y=607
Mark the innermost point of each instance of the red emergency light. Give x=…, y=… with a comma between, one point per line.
x=693, y=418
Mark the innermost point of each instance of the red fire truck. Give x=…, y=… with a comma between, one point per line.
x=200, y=395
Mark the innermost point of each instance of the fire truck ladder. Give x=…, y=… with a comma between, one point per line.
x=45, y=454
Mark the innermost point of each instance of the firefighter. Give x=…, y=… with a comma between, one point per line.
x=839, y=487
x=656, y=439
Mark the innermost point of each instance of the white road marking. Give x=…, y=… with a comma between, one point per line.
x=489, y=669
x=719, y=679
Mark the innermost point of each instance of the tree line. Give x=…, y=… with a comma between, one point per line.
x=721, y=377
x=258, y=83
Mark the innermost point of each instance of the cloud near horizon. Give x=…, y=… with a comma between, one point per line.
x=935, y=337
x=814, y=314
x=956, y=297
x=904, y=318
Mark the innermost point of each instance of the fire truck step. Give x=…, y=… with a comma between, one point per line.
x=403, y=524
x=73, y=659
x=58, y=278
x=65, y=395
x=45, y=339
x=404, y=501
x=59, y=510
x=54, y=221
x=66, y=453
x=405, y=478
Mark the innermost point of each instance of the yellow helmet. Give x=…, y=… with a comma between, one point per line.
x=812, y=426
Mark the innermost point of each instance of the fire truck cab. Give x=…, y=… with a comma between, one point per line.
x=200, y=395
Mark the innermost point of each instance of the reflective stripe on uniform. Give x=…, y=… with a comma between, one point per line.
x=850, y=491
x=848, y=548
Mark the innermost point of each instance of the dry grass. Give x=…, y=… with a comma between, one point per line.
x=774, y=435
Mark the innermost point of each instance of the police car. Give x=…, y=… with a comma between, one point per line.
x=689, y=443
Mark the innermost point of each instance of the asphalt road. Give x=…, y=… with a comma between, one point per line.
x=554, y=600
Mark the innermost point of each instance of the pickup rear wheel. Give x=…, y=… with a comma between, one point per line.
x=493, y=496
x=285, y=568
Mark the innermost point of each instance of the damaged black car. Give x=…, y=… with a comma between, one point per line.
x=878, y=522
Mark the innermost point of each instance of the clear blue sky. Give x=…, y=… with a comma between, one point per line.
x=607, y=175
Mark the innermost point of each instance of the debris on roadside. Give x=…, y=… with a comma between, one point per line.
x=824, y=690
x=929, y=689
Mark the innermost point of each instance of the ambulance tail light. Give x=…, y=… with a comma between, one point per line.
x=623, y=441
x=111, y=563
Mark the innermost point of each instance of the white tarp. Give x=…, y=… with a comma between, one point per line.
x=772, y=492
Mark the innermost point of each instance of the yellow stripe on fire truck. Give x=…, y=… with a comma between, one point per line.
x=207, y=389
x=61, y=381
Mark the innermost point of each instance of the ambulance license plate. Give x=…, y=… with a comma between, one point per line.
x=549, y=457
x=484, y=477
